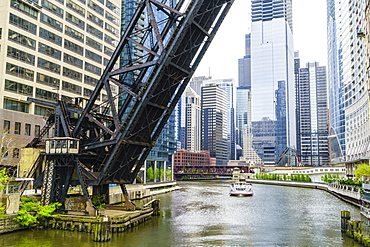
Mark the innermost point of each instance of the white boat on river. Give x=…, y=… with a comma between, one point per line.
x=241, y=189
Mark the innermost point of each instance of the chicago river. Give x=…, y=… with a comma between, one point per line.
x=203, y=214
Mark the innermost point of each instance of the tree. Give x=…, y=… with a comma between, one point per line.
x=362, y=170
x=9, y=151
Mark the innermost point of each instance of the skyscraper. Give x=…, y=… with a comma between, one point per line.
x=348, y=88
x=193, y=128
x=313, y=117
x=272, y=71
x=244, y=125
x=337, y=139
x=244, y=64
x=214, y=122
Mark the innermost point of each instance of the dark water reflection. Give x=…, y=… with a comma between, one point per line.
x=203, y=214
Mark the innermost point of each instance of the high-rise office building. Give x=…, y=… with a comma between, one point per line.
x=337, y=141
x=272, y=72
x=214, y=122
x=313, y=118
x=229, y=86
x=348, y=88
x=193, y=118
x=51, y=50
x=244, y=125
x=244, y=64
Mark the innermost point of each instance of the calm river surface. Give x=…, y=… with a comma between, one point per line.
x=203, y=214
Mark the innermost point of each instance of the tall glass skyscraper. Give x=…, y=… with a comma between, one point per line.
x=313, y=117
x=335, y=87
x=348, y=88
x=272, y=71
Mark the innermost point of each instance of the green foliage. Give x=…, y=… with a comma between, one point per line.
x=98, y=201
x=168, y=174
x=150, y=173
x=362, y=170
x=293, y=177
x=46, y=211
x=2, y=208
x=25, y=219
x=3, y=179
x=32, y=211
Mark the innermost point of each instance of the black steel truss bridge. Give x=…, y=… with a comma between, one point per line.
x=163, y=45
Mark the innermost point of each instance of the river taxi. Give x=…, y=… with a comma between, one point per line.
x=241, y=189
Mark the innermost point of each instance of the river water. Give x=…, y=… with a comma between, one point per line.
x=203, y=214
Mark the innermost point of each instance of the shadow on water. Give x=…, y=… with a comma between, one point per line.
x=203, y=214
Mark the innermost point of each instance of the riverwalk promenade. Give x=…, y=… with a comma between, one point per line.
x=349, y=194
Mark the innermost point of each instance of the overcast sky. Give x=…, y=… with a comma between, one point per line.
x=309, y=32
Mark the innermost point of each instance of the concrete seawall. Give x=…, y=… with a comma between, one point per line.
x=344, y=193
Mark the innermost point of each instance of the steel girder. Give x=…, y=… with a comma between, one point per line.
x=115, y=140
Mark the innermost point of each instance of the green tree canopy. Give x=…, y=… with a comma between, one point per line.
x=362, y=170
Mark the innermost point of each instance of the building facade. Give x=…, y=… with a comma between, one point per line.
x=313, y=116
x=272, y=66
x=347, y=38
x=193, y=118
x=214, y=122
x=51, y=50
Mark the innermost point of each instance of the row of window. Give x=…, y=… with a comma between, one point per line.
x=17, y=129
x=32, y=28
x=27, y=90
x=77, y=8
x=51, y=51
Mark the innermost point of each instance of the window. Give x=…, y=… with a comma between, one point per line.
x=105, y=62
x=76, y=21
x=4, y=152
x=52, y=37
x=47, y=80
x=93, y=56
x=113, y=7
x=87, y=92
x=52, y=8
x=50, y=51
x=74, y=34
x=92, y=68
x=110, y=40
x=21, y=39
x=75, y=7
x=19, y=71
x=44, y=94
x=112, y=18
x=73, y=47
x=73, y=60
x=90, y=80
x=6, y=127
x=95, y=7
x=25, y=8
x=72, y=74
x=51, y=22
x=17, y=128
x=108, y=50
x=70, y=87
x=37, y=129
x=27, y=129
x=18, y=88
x=45, y=64
x=15, y=153
x=95, y=19
x=16, y=105
x=42, y=111
x=94, y=44
x=94, y=31
x=21, y=55
x=111, y=29
x=22, y=23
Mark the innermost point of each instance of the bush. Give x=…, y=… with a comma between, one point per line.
x=32, y=211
